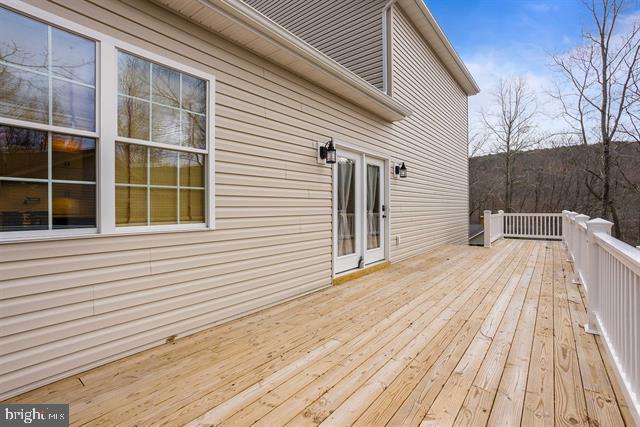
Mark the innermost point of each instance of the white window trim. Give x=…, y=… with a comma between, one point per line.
x=106, y=134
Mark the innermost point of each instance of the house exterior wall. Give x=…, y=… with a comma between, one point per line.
x=68, y=305
x=436, y=204
x=350, y=32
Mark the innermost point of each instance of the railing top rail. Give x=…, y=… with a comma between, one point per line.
x=625, y=253
x=531, y=214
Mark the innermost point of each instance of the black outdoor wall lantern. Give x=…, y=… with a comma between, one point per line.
x=328, y=152
x=401, y=170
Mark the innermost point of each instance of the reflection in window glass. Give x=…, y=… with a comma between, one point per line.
x=191, y=206
x=73, y=105
x=23, y=206
x=164, y=206
x=73, y=57
x=73, y=158
x=74, y=206
x=166, y=86
x=191, y=170
x=131, y=164
x=131, y=206
x=194, y=94
x=133, y=118
x=23, y=41
x=133, y=76
x=172, y=174
x=158, y=104
x=163, y=167
x=50, y=161
x=23, y=153
x=166, y=125
x=26, y=94
x=194, y=131
x=173, y=102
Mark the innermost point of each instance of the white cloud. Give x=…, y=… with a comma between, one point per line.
x=489, y=66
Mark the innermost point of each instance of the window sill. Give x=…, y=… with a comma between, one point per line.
x=92, y=233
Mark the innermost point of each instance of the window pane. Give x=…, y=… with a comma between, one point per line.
x=74, y=105
x=133, y=118
x=73, y=158
x=133, y=76
x=166, y=125
x=191, y=206
x=74, y=205
x=191, y=170
x=131, y=206
x=166, y=86
x=23, y=206
x=73, y=57
x=131, y=164
x=163, y=167
x=23, y=153
x=23, y=95
x=23, y=41
x=194, y=130
x=164, y=206
x=194, y=94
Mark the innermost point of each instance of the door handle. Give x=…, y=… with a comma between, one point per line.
x=384, y=211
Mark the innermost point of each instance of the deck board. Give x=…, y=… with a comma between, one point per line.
x=459, y=336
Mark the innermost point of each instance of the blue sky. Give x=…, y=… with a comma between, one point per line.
x=507, y=37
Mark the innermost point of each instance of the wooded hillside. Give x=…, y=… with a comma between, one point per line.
x=550, y=180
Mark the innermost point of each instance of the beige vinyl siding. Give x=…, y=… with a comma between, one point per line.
x=350, y=32
x=438, y=125
x=68, y=305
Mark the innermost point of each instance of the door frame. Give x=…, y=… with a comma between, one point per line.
x=387, y=162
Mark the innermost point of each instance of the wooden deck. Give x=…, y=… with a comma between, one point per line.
x=460, y=336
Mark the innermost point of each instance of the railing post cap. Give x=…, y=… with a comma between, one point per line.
x=572, y=215
x=597, y=225
x=582, y=218
x=564, y=211
x=500, y=211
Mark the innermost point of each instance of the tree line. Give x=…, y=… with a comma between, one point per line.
x=591, y=163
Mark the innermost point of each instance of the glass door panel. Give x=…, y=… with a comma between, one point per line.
x=346, y=206
x=348, y=212
x=375, y=210
x=373, y=207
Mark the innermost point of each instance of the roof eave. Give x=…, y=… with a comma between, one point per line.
x=259, y=34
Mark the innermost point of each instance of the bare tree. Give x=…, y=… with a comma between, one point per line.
x=600, y=93
x=510, y=127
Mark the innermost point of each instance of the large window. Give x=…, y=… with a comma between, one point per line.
x=47, y=78
x=158, y=108
x=137, y=158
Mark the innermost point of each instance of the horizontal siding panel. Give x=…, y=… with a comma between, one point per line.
x=119, y=311
x=103, y=352
x=349, y=32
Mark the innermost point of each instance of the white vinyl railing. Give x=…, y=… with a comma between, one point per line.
x=609, y=270
x=493, y=227
x=521, y=225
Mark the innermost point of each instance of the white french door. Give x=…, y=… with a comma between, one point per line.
x=359, y=211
